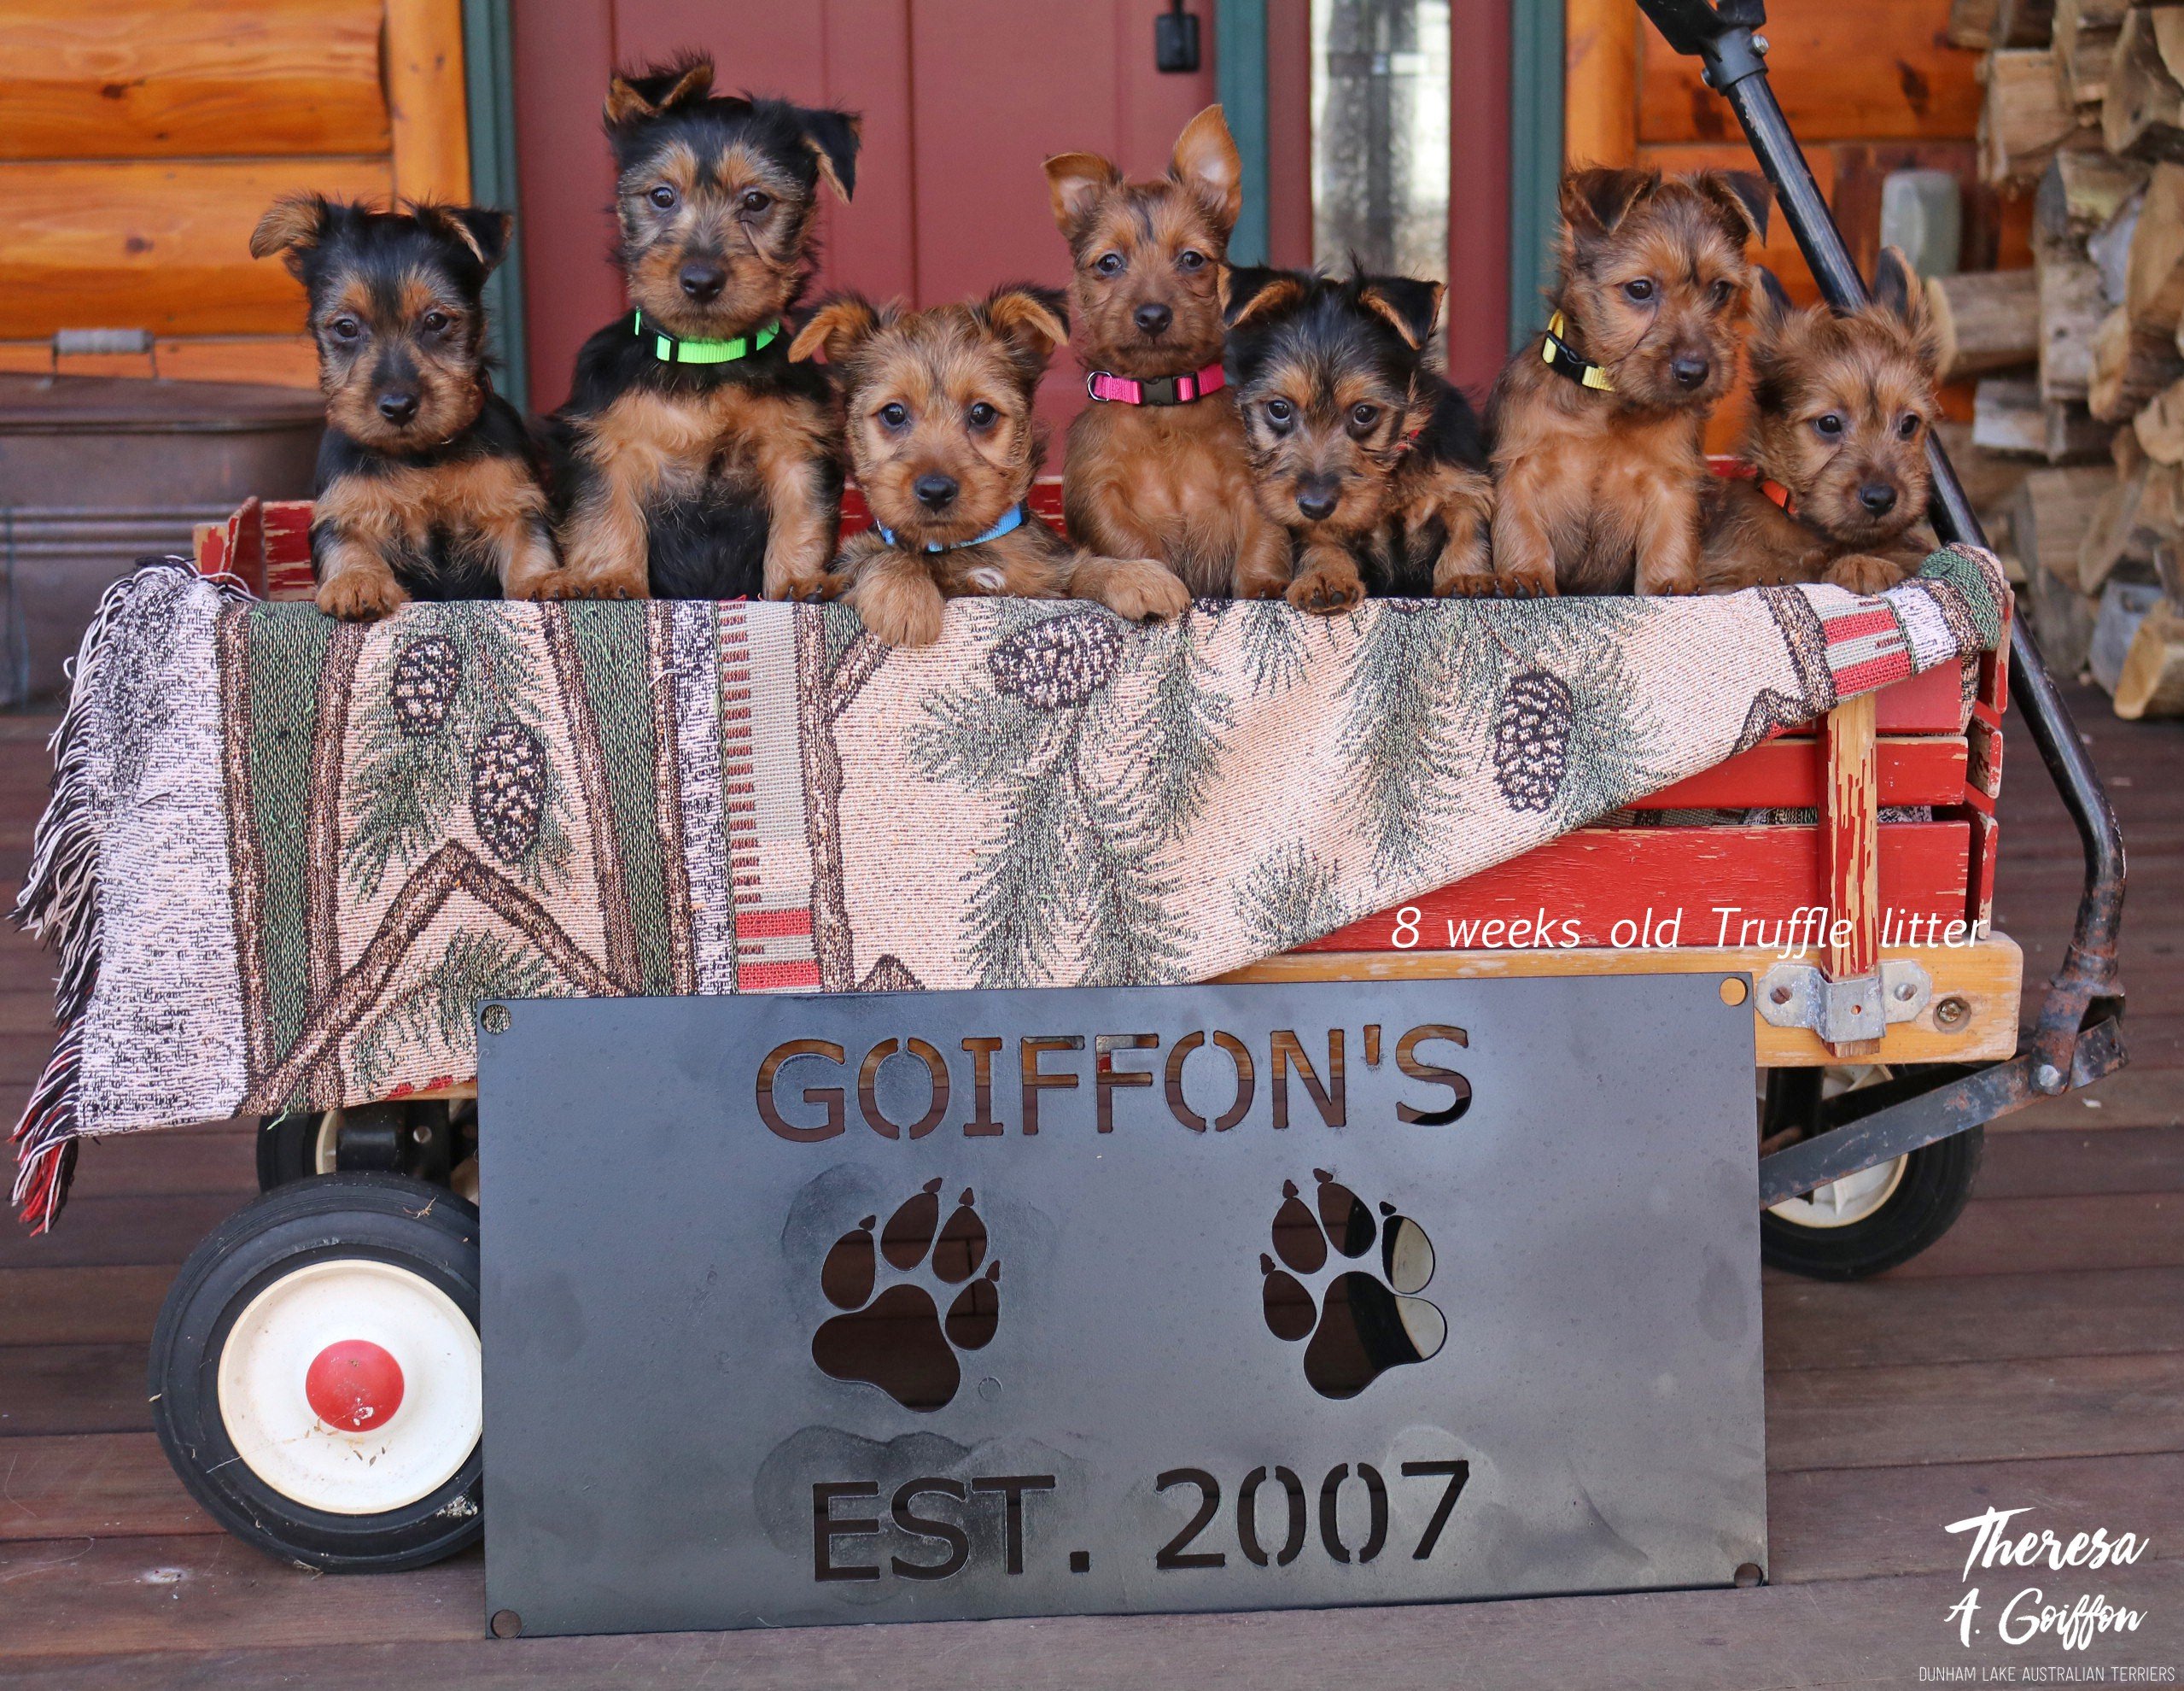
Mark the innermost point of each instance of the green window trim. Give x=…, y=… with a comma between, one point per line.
x=1535, y=158
x=489, y=86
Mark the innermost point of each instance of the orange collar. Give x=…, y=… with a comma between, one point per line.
x=1781, y=496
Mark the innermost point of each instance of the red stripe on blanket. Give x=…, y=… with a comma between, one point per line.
x=773, y=924
x=1872, y=673
x=776, y=977
x=1854, y=624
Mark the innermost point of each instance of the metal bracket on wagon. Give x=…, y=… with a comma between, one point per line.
x=1799, y=995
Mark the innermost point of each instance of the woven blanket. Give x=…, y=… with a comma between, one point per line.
x=285, y=857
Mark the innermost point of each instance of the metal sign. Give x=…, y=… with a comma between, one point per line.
x=924, y=1306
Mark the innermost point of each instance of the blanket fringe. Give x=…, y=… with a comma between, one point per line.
x=60, y=898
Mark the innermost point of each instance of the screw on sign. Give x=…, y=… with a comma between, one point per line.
x=353, y=1386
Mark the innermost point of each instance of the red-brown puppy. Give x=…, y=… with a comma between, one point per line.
x=1598, y=422
x=1157, y=467
x=941, y=436
x=1842, y=407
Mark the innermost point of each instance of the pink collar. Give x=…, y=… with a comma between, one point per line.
x=1160, y=390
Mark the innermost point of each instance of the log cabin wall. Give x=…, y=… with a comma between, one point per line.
x=142, y=138
x=1869, y=86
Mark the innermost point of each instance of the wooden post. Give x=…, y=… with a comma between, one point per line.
x=428, y=109
x=1850, y=829
x=1600, y=78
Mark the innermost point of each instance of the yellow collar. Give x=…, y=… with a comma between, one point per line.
x=1555, y=353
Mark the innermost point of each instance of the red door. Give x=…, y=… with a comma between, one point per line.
x=962, y=101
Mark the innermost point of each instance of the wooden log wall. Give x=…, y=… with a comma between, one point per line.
x=144, y=138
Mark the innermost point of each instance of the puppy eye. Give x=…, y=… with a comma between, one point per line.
x=1907, y=426
x=755, y=202
x=345, y=328
x=982, y=415
x=1191, y=258
x=1829, y=425
x=434, y=322
x=1109, y=264
x=1280, y=413
x=894, y=415
x=663, y=197
x=1363, y=416
x=1722, y=289
x=1640, y=290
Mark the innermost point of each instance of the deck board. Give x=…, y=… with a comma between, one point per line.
x=2034, y=1358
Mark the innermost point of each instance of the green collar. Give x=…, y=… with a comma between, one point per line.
x=674, y=349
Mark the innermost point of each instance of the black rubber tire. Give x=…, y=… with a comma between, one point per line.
x=426, y=1230
x=1936, y=1184
x=287, y=1149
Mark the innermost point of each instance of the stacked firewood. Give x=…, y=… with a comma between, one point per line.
x=2079, y=360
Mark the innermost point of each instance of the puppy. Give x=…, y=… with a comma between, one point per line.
x=1597, y=423
x=428, y=487
x=1842, y=407
x=696, y=461
x=1368, y=460
x=1156, y=467
x=941, y=436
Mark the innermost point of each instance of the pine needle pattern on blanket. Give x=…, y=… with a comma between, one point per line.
x=286, y=859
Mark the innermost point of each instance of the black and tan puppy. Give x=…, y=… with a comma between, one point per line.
x=938, y=406
x=428, y=487
x=696, y=461
x=1598, y=423
x=1842, y=409
x=1156, y=467
x=1360, y=449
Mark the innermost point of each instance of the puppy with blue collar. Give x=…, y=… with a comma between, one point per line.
x=937, y=411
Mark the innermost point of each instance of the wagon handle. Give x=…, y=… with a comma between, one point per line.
x=1725, y=39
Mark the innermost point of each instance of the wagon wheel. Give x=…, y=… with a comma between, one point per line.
x=425, y=1139
x=315, y=1376
x=1871, y=1221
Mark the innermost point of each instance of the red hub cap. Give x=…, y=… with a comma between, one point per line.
x=353, y=1384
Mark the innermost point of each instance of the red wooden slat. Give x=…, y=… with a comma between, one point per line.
x=1583, y=883
x=1785, y=774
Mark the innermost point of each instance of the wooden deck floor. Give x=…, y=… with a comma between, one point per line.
x=2036, y=1357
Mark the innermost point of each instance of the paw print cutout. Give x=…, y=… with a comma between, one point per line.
x=1364, y=1320
x=899, y=1341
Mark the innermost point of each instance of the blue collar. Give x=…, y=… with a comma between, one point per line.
x=1007, y=525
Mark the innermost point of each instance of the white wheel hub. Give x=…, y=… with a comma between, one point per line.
x=1840, y=1203
x=352, y=1386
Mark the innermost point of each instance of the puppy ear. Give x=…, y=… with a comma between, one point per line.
x=1410, y=307
x=840, y=325
x=833, y=137
x=483, y=230
x=1898, y=291
x=1773, y=299
x=1206, y=162
x=1597, y=198
x=1744, y=198
x=294, y=225
x=1032, y=319
x=1250, y=292
x=648, y=94
x=1075, y=182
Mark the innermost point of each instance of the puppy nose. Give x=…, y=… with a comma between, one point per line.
x=397, y=408
x=1690, y=371
x=1318, y=500
x=935, y=492
x=1153, y=319
x=704, y=282
x=1878, y=497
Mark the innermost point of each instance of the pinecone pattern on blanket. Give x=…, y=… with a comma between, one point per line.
x=286, y=857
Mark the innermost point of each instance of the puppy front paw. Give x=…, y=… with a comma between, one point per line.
x=576, y=580
x=817, y=589
x=1523, y=583
x=1863, y=573
x=361, y=595
x=1325, y=592
x=899, y=612
x=1144, y=590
